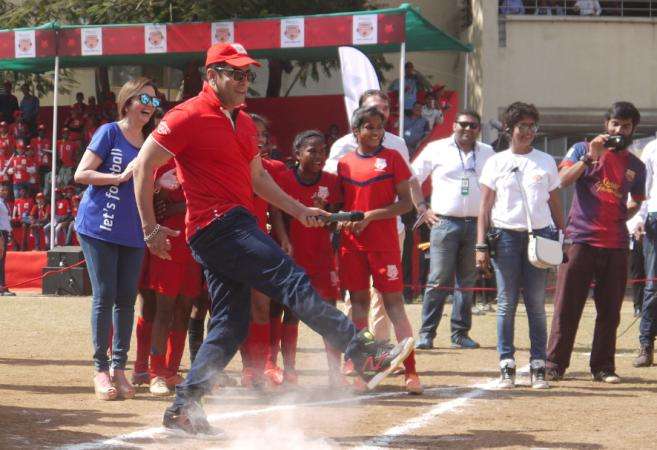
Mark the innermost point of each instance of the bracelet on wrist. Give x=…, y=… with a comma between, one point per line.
x=481, y=247
x=150, y=236
x=425, y=204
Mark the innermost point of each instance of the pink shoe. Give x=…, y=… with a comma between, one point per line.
x=103, y=387
x=348, y=368
x=124, y=388
x=274, y=376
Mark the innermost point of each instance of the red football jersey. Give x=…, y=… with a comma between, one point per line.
x=22, y=206
x=40, y=213
x=312, y=248
x=62, y=208
x=39, y=147
x=7, y=145
x=67, y=152
x=369, y=182
x=260, y=206
x=33, y=169
x=19, y=169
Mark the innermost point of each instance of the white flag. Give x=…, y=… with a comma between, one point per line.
x=358, y=75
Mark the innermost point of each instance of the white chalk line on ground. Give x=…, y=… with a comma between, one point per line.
x=124, y=440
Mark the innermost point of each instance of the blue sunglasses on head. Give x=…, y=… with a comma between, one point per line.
x=146, y=100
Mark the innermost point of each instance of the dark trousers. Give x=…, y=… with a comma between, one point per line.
x=637, y=272
x=237, y=256
x=608, y=268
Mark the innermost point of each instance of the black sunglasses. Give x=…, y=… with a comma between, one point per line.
x=238, y=75
x=146, y=100
x=468, y=125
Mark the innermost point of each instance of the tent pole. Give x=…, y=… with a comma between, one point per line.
x=465, y=82
x=53, y=169
x=402, y=87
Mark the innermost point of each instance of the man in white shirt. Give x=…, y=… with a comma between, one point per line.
x=379, y=322
x=588, y=7
x=454, y=164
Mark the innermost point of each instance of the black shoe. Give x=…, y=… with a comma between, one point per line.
x=553, y=375
x=189, y=418
x=375, y=360
x=424, y=343
x=606, y=376
x=464, y=341
x=645, y=357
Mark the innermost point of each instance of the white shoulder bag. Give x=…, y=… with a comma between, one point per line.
x=543, y=253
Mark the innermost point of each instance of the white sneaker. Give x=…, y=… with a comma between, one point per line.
x=537, y=370
x=508, y=374
x=159, y=387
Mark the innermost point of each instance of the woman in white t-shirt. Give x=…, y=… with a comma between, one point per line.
x=502, y=210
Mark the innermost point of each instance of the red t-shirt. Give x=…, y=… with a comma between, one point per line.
x=312, y=248
x=7, y=145
x=260, y=206
x=180, y=252
x=369, y=182
x=40, y=213
x=39, y=147
x=19, y=168
x=22, y=206
x=62, y=208
x=212, y=158
x=67, y=151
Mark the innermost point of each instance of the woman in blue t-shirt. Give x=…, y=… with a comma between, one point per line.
x=109, y=231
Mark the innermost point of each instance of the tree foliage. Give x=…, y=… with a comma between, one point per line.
x=100, y=12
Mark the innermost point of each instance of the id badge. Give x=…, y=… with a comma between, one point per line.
x=465, y=186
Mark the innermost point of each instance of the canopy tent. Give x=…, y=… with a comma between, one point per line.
x=51, y=46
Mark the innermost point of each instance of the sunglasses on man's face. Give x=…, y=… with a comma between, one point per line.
x=238, y=75
x=468, y=125
x=146, y=100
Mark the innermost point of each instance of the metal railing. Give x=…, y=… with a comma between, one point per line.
x=609, y=8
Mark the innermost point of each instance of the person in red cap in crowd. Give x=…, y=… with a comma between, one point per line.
x=68, y=151
x=75, y=203
x=41, y=145
x=21, y=215
x=33, y=177
x=176, y=282
x=40, y=217
x=311, y=247
x=75, y=125
x=256, y=347
x=7, y=141
x=375, y=180
x=19, y=129
x=219, y=168
x=18, y=169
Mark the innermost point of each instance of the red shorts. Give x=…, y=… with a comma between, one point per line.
x=356, y=268
x=326, y=283
x=173, y=279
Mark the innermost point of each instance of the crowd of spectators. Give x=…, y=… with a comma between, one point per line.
x=26, y=165
x=578, y=7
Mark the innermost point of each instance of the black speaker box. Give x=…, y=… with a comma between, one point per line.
x=65, y=256
x=73, y=281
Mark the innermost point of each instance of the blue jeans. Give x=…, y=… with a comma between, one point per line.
x=114, y=272
x=648, y=326
x=513, y=272
x=451, y=253
x=237, y=256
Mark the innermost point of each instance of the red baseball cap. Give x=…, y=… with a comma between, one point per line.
x=40, y=195
x=233, y=54
x=41, y=127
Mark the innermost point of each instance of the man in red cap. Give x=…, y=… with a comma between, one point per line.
x=214, y=145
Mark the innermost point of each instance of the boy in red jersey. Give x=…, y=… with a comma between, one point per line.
x=40, y=217
x=68, y=151
x=18, y=169
x=311, y=247
x=371, y=178
x=21, y=215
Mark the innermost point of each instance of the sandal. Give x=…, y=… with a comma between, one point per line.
x=124, y=388
x=103, y=386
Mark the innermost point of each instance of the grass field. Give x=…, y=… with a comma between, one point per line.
x=47, y=401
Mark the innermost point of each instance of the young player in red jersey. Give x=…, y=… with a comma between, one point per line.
x=311, y=247
x=21, y=215
x=40, y=217
x=67, y=149
x=255, y=349
x=18, y=169
x=42, y=148
x=7, y=141
x=374, y=180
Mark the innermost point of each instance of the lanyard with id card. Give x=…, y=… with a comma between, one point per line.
x=465, y=178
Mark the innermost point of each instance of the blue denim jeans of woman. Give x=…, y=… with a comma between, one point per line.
x=513, y=273
x=114, y=271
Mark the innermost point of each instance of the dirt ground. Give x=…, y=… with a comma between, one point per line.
x=46, y=396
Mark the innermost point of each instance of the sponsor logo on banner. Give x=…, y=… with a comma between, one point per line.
x=155, y=38
x=25, y=44
x=223, y=32
x=380, y=164
x=91, y=41
x=365, y=29
x=392, y=272
x=292, y=32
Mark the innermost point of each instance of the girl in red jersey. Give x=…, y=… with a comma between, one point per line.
x=375, y=180
x=311, y=247
x=175, y=283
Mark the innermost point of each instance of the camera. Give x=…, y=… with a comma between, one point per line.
x=617, y=142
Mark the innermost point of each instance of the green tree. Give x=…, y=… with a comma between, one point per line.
x=35, y=12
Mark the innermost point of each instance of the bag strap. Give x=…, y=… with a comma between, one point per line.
x=516, y=173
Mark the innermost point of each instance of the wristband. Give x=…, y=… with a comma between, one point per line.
x=586, y=159
x=425, y=204
x=150, y=236
x=481, y=247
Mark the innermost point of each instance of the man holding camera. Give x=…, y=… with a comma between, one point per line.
x=604, y=173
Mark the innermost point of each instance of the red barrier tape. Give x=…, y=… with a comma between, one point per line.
x=52, y=272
